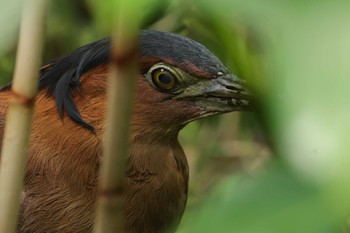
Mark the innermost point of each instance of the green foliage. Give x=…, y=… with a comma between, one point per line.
x=275, y=201
x=9, y=24
x=147, y=12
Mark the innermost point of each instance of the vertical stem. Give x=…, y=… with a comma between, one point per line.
x=109, y=216
x=20, y=112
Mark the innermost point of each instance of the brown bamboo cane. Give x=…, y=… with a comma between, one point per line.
x=20, y=112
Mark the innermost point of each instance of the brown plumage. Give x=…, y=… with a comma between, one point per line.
x=179, y=81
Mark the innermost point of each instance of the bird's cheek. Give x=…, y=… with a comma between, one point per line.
x=186, y=111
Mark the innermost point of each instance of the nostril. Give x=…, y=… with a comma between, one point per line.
x=235, y=87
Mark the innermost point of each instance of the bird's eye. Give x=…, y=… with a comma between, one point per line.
x=164, y=79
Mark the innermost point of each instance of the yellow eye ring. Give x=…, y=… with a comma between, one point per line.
x=164, y=79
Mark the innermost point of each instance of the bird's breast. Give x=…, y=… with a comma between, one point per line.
x=157, y=181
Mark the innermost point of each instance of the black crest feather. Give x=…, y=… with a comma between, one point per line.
x=63, y=75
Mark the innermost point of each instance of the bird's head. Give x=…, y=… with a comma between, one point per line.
x=181, y=80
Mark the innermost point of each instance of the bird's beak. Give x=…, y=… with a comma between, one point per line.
x=223, y=94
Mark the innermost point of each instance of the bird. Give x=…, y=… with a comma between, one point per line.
x=179, y=80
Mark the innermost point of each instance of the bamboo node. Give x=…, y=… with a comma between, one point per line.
x=124, y=59
x=21, y=99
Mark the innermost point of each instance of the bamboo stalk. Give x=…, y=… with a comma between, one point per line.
x=20, y=112
x=109, y=216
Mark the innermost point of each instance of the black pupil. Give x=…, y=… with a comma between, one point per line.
x=165, y=78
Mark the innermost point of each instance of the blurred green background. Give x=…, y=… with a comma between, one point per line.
x=283, y=168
